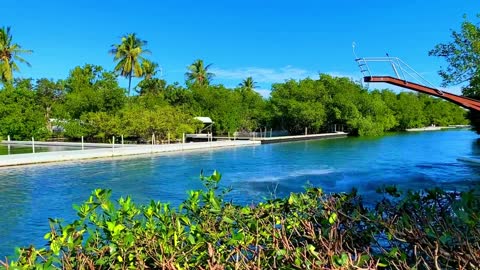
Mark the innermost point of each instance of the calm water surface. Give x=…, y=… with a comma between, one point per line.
x=30, y=195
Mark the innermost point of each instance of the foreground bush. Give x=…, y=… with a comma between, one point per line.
x=310, y=230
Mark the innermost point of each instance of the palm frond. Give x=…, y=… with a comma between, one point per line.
x=9, y=53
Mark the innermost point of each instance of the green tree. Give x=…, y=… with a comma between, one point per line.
x=253, y=106
x=462, y=55
x=162, y=121
x=300, y=105
x=410, y=111
x=102, y=125
x=49, y=94
x=91, y=89
x=129, y=55
x=198, y=74
x=9, y=53
x=248, y=84
x=149, y=68
x=20, y=116
x=219, y=103
x=150, y=84
x=376, y=117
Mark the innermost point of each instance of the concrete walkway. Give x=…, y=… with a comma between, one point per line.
x=68, y=144
x=103, y=150
x=322, y=136
x=117, y=151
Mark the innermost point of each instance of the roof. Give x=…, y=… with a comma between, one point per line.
x=205, y=120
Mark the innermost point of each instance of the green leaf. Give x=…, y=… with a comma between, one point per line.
x=291, y=199
x=281, y=252
x=228, y=220
x=332, y=218
x=216, y=176
x=191, y=239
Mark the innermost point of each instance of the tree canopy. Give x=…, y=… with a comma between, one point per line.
x=129, y=55
x=462, y=55
x=198, y=74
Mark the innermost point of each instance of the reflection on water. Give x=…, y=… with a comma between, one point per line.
x=12, y=149
x=476, y=147
x=410, y=160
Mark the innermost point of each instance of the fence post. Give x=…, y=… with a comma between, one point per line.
x=113, y=142
x=122, y=140
x=82, y=143
x=8, y=138
x=168, y=138
x=33, y=145
x=306, y=130
x=271, y=130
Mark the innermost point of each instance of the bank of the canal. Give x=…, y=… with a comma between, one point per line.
x=410, y=160
x=114, y=151
x=70, y=151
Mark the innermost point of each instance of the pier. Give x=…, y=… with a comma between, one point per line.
x=281, y=139
x=114, y=150
x=105, y=150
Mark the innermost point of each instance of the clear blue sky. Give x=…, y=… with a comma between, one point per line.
x=271, y=40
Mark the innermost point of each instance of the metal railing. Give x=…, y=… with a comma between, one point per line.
x=400, y=69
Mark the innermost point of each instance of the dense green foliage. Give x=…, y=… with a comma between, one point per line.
x=319, y=104
x=90, y=103
x=462, y=55
x=21, y=115
x=310, y=230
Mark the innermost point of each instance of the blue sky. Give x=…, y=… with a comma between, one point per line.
x=271, y=40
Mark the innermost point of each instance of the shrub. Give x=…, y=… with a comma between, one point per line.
x=309, y=230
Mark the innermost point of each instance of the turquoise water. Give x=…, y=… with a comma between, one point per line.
x=30, y=195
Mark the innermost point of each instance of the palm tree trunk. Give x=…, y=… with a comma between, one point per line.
x=129, y=83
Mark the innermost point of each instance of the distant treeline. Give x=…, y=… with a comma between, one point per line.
x=90, y=103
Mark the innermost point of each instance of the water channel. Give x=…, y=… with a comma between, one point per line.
x=29, y=195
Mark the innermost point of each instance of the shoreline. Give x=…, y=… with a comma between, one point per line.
x=437, y=128
x=108, y=151
x=18, y=160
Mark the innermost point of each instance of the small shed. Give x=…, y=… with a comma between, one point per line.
x=207, y=123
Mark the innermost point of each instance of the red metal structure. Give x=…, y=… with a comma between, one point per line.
x=465, y=102
x=402, y=71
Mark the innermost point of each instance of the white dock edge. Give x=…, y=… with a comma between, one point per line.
x=48, y=157
x=294, y=138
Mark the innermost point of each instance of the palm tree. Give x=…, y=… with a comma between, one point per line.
x=248, y=84
x=149, y=69
x=129, y=56
x=9, y=53
x=198, y=73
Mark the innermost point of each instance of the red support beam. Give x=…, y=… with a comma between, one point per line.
x=465, y=102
